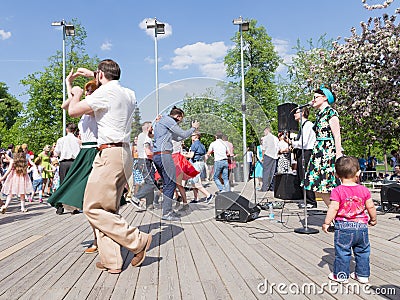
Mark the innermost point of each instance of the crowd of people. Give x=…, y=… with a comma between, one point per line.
x=24, y=175
x=94, y=167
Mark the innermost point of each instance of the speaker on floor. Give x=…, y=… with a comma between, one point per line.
x=286, y=119
x=232, y=207
x=287, y=187
x=390, y=196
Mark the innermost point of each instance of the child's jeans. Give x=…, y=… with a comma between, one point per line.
x=348, y=236
x=37, y=184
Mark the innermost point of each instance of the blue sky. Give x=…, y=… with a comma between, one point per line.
x=198, y=34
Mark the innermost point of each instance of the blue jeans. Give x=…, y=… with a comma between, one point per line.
x=145, y=166
x=351, y=236
x=221, y=166
x=166, y=168
x=37, y=184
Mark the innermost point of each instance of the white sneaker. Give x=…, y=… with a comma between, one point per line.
x=359, y=278
x=340, y=279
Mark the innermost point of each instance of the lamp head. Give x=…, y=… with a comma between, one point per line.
x=151, y=23
x=243, y=24
x=160, y=28
x=69, y=30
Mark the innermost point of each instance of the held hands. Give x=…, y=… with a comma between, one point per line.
x=83, y=72
x=195, y=124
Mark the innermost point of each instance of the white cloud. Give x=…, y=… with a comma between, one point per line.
x=208, y=57
x=283, y=48
x=150, y=31
x=216, y=70
x=4, y=34
x=106, y=46
x=151, y=60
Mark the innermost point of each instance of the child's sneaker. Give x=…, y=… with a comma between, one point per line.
x=30, y=199
x=359, y=278
x=24, y=210
x=342, y=278
x=40, y=200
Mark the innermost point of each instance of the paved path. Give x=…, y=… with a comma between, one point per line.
x=41, y=257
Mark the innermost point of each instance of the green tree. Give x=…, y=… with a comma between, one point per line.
x=367, y=72
x=308, y=70
x=260, y=62
x=136, y=124
x=42, y=120
x=10, y=110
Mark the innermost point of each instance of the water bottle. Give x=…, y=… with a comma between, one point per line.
x=271, y=212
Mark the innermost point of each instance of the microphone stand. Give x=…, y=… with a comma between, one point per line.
x=305, y=229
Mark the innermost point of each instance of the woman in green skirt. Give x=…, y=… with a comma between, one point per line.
x=72, y=189
x=320, y=176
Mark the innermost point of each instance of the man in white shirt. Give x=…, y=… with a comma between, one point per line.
x=269, y=157
x=221, y=153
x=113, y=107
x=306, y=137
x=67, y=149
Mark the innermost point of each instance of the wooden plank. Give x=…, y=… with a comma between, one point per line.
x=139, y=278
x=232, y=278
x=19, y=246
x=169, y=285
x=208, y=274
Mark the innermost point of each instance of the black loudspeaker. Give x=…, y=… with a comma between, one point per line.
x=233, y=207
x=287, y=187
x=390, y=196
x=286, y=119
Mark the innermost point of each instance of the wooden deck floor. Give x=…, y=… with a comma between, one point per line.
x=41, y=257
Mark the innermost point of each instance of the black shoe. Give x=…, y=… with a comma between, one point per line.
x=309, y=205
x=75, y=212
x=60, y=210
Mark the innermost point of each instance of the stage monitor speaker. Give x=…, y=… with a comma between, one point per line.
x=390, y=196
x=232, y=207
x=287, y=187
x=286, y=119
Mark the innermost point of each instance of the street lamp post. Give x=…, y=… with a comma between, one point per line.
x=68, y=30
x=243, y=26
x=159, y=28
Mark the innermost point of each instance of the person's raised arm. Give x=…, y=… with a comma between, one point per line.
x=76, y=107
x=8, y=170
x=180, y=134
x=68, y=82
x=84, y=72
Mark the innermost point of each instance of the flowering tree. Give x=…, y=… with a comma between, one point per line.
x=367, y=77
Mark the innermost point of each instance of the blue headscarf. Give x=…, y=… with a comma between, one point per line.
x=328, y=94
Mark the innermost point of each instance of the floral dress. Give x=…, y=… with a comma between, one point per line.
x=320, y=176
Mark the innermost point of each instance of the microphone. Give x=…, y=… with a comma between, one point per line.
x=301, y=106
x=304, y=105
